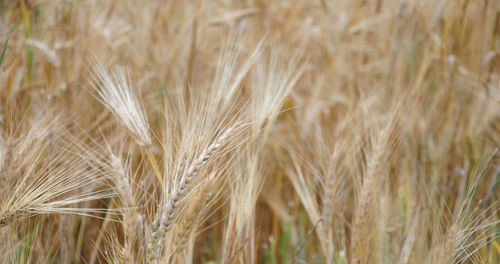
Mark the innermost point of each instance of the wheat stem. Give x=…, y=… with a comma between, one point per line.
x=156, y=170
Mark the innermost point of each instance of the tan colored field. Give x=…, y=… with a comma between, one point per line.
x=250, y=131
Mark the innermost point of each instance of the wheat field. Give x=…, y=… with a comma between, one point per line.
x=250, y=131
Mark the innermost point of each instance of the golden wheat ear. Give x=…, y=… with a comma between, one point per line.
x=46, y=173
x=186, y=179
x=115, y=93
